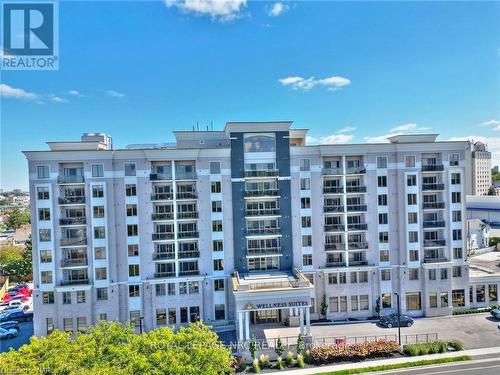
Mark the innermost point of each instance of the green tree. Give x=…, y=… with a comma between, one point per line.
x=16, y=218
x=300, y=344
x=253, y=347
x=279, y=348
x=17, y=262
x=377, y=307
x=323, y=307
x=111, y=348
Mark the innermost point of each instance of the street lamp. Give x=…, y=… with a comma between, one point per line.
x=140, y=324
x=399, y=318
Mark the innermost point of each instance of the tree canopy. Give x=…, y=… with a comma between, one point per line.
x=111, y=348
x=17, y=261
x=17, y=217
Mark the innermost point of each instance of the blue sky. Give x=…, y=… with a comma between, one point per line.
x=350, y=72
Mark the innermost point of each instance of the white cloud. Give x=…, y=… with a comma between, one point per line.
x=333, y=83
x=57, y=99
x=115, y=94
x=217, y=10
x=347, y=129
x=7, y=91
x=75, y=93
x=330, y=139
x=405, y=127
x=379, y=138
x=495, y=124
x=277, y=8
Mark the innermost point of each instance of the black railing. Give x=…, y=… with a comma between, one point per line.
x=262, y=193
x=434, y=224
x=187, y=215
x=164, y=255
x=188, y=234
x=162, y=216
x=263, y=212
x=162, y=196
x=262, y=173
x=432, y=205
x=335, y=208
x=432, y=186
x=356, y=207
x=332, y=190
x=357, y=226
x=432, y=167
x=334, y=227
x=356, y=189
x=434, y=243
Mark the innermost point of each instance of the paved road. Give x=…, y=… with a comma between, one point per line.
x=489, y=367
x=25, y=332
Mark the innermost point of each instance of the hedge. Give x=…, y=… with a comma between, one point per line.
x=347, y=352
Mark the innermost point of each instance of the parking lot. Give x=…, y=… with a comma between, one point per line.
x=475, y=330
x=25, y=332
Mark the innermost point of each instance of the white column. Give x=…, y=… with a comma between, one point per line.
x=240, y=325
x=291, y=311
x=301, y=310
x=308, y=321
x=247, y=325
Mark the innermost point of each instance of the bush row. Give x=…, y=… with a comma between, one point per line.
x=343, y=352
x=432, y=347
x=472, y=311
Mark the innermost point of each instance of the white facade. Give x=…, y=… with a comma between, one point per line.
x=481, y=169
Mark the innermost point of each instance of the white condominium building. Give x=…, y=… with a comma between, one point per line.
x=245, y=226
x=481, y=169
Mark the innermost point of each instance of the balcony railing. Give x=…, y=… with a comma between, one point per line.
x=263, y=212
x=335, y=264
x=355, y=170
x=73, y=221
x=74, y=262
x=432, y=186
x=162, y=216
x=189, y=273
x=334, y=208
x=264, y=250
x=185, y=175
x=332, y=171
x=164, y=255
x=432, y=167
x=358, y=263
x=262, y=193
x=435, y=259
x=356, y=189
x=356, y=207
x=357, y=226
x=70, y=180
x=262, y=173
x=74, y=282
x=161, y=275
x=160, y=176
x=73, y=241
x=334, y=227
x=434, y=243
x=72, y=200
x=335, y=246
x=189, y=254
x=187, y=195
x=188, y=234
x=162, y=196
x=357, y=245
x=163, y=236
x=187, y=215
x=332, y=190
x=263, y=231
x=432, y=205
x=434, y=224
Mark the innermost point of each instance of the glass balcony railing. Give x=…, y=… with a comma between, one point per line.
x=335, y=264
x=357, y=226
x=162, y=216
x=73, y=241
x=263, y=212
x=74, y=282
x=440, y=259
x=262, y=173
x=358, y=263
x=432, y=205
x=185, y=175
x=160, y=176
x=434, y=243
x=161, y=275
x=162, y=196
x=163, y=236
x=164, y=255
x=187, y=215
x=73, y=221
x=189, y=273
x=70, y=179
x=188, y=234
x=187, y=195
x=334, y=227
x=72, y=200
x=263, y=231
x=333, y=208
x=432, y=167
x=262, y=192
x=74, y=262
x=264, y=250
x=432, y=186
x=189, y=254
x=355, y=245
x=434, y=224
x=356, y=207
x=356, y=189
x=333, y=190
x=332, y=171
x=335, y=246
x=355, y=170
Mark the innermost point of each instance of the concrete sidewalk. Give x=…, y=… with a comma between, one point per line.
x=392, y=361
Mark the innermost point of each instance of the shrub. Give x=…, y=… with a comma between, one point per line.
x=307, y=357
x=289, y=359
x=255, y=365
x=338, y=352
x=239, y=364
x=279, y=348
x=300, y=360
x=455, y=344
x=253, y=347
x=264, y=360
x=279, y=363
x=472, y=311
x=432, y=347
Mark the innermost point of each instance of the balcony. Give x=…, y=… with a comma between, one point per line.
x=356, y=207
x=434, y=243
x=435, y=260
x=263, y=250
x=161, y=275
x=73, y=241
x=262, y=173
x=185, y=175
x=73, y=221
x=187, y=195
x=263, y=212
x=356, y=189
x=163, y=236
x=432, y=205
x=332, y=171
x=355, y=170
x=333, y=190
x=432, y=168
x=189, y=273
x=74, y=282
x=164, y=255
x=356, y=245
x=70, y=180
x=434, y=224
x=334, y=227
x=162, y=216
x=187, y=215
x=74, y=262
x=335, y=246
x=262, y=193
x=335, y=264
x=357, y=226
x=189, y=254
x=72, y=200
x=162, y=196
x=355, y=263
x=188, y=234
x=160, y=176
x=263, y=231
x=333, y=208
x=432, y=186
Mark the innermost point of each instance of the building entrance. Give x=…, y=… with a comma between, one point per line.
x=266, y=316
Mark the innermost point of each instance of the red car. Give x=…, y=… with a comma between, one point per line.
x=7, y=298
x=25, y=291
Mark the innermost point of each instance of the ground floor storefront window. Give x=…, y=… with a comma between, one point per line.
x=458, y=298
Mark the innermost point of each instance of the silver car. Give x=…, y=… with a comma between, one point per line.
x=7, y=333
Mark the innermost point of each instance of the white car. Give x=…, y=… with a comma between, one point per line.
x=7, y=333
x=23, y=305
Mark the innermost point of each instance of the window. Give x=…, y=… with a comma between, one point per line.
x=214, y=167
x=183, y=287
x=413, y=255
x=133, y=270
x=411, y=180
x=413, y=273
x=412, y=199
x=305, y=184
x=413, y=237
x=134, y=291
x=259, y=143
x=364, y=302
x=160, y=290
x=493, y=293
x=43, y=214
x=306, y=221
x=68, y=324
x=342, y=278
x=444, y=273
x=354, y=278
x=50, y=325
x=97, y=170
x=161, y=317
x=81, y=296
x=97, y=191
x=172, y=316
x=46, y=277
x=100, y=253
x=458, y=298
x=332, y=278
x=47, y=298
x=305, y=165
x=381, y=162
x=382, y=200
x=306, y=241
x=386, y=300
x=99, y=233
x=217, y=245
x=216, y=186
x=383, y=237
x=98, y=212
x=102, y=294
x=307, y=260
x=305, y=202
x=133, y=250
x=385, y=275
x=216, y=225
x=218, y=265
x=42, y=192
x=382, y=181
x=132, y=230
x=413, y=301
x=455, y=178
x=100, y=273
x=42, y=171
x=219, y=285
x=457, y=234
x=363, y=276
x=102, y=316
x=44, y=235
x=433, y=300
x=432, y=274
x=480, y=293
x=216, y=206
x=456, y=216
x=456, y=197
x=412, y=218
x=131, y=210
x=343, y=303
x=333, y=304
x=220, y=312
x=45, y=256
x=384, y=255
x=194, y=314
x=129, y=169
x=457, y=271
x=454, y=159
x=457, y=253
x=444, y=299
x=130, y=190
x=66, y=298
x=410, y=161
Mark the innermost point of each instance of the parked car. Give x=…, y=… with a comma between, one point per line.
x=7, y=333
x=15, y=304
x=495, y=313
x=12, y=324
x=390, y=321
x=17, y=315
x=16, y=287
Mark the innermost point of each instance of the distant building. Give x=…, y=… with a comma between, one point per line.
x=495, y=169
x=481, y=169
x=478, y=234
